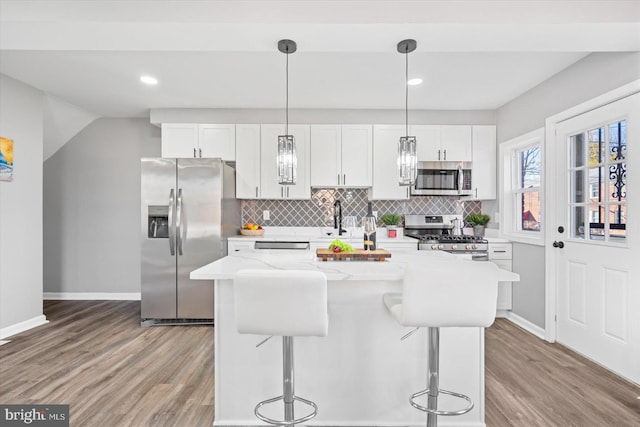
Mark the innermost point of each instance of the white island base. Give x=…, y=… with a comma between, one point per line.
x=361, y=374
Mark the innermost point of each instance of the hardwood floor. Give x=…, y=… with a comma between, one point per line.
x=95, y=356
x=530, y=382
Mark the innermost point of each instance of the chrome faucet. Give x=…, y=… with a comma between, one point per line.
x=337, y=217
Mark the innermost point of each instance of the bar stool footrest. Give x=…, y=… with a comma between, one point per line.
x=283, y=422
x=436, y=411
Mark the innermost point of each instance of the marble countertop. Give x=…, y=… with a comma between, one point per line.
x=390, y=270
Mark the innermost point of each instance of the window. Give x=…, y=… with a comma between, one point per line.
x=521, y=181
x=599, y=161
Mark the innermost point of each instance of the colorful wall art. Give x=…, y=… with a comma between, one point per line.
x=6, y=159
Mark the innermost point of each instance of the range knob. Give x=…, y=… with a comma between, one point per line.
x=467, y=247
x=474, y=246
x=440, y=246
x=434, y=246
x=454, y=247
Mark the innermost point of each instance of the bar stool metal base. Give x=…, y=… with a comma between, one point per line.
x=435, y=411
x=285, y=422
x=433, y=390
x=288, y=396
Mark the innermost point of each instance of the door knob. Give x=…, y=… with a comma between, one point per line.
x=558, y=245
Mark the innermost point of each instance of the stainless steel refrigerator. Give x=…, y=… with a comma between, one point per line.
x=188, y=210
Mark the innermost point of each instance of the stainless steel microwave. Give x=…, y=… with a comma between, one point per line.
x=443, y=179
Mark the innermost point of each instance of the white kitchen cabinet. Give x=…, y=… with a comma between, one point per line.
x=443, y=143
x=270, y=189
x=484, y=163
x=239, y=245
x=192, y=140
x=179, y=140
x=248, y=161
x=216, y=140
x=500, y=254
x=341, y=156
x=385, y=164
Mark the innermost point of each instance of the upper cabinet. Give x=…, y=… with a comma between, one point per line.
x=443, y=143
x=484, y=163
x=385, y=164
x=247, y=161
x=191, y=140
x=341, y=156
x=269, y=187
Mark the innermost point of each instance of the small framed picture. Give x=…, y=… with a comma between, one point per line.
x=6, y=159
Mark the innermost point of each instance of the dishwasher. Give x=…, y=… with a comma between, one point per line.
x=265, y=244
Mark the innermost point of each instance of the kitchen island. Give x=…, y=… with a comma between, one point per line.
x=361, y=374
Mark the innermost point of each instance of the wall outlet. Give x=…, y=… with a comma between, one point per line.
x=265, y=215
x=375, y=214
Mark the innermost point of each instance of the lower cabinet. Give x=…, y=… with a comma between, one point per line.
x=235, y=245
x=500, y=255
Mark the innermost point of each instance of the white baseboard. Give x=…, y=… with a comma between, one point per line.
x=124, y=296
x=526, y=325
x=23, y=326
x=502, y=313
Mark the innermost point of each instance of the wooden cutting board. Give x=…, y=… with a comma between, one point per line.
x=356, y=255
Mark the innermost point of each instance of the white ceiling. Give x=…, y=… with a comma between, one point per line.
x=222, y=54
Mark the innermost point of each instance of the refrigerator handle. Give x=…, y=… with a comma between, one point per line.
x=179, y=222
x=172, y=236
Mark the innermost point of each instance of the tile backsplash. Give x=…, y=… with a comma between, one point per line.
x=318, y=212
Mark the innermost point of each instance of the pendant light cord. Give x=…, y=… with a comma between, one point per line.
x=406, y=84
x=286, y=127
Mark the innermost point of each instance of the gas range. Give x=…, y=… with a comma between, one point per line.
x=443, y=233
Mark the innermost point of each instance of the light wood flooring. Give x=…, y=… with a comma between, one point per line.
x=95, y=356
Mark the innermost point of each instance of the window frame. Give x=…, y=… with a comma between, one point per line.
x=511, y=192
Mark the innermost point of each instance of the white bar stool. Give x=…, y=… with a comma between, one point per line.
x=283, y=303
x=444, y=294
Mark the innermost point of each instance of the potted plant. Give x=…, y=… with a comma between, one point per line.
x=391, y=221
x=478, y=221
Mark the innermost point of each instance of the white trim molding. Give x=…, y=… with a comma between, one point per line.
x=550, y=195
x=119, y=296
x=23, y=326
x=526, y=325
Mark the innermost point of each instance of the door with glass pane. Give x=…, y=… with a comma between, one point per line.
x=596, y=240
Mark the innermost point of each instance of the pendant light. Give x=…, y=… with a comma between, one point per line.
x=287, y=162
x=407, y=156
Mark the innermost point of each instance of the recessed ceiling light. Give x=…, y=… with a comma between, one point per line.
x=148, y=80
x=414, y=82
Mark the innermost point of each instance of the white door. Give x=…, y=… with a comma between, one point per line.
x=598, y=252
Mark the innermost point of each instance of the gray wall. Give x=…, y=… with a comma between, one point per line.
x=92, y=207
x=590, y=77
x=21, y=205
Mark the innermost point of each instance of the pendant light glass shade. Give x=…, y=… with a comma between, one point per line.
x=407, y=155
x=407, y=160
x=286, y=159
